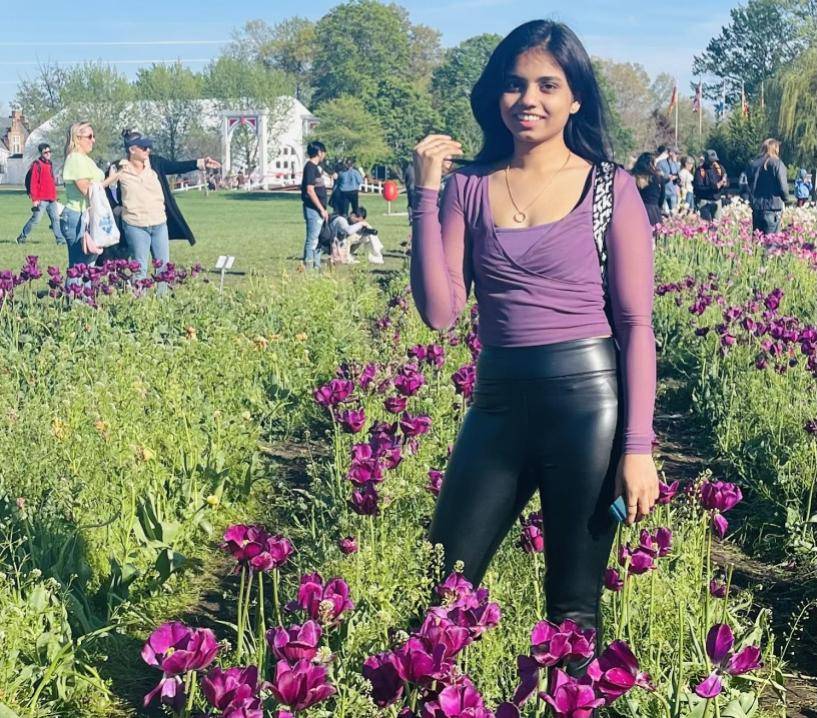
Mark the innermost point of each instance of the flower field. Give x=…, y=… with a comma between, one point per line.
x=278, y=449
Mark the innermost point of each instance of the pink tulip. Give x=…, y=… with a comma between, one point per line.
x=301, y=685
x=570, y=699
x=296, y=643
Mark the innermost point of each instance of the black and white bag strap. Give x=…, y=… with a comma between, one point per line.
x=603, y=213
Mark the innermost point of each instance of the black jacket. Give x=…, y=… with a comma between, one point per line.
x=769, y=185
x=177, y=227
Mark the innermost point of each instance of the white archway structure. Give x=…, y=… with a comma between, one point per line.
x=255, y=120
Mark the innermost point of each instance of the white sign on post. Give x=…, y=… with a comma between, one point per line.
x=224, y=262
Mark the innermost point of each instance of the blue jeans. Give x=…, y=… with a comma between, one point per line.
x=72, y=227
x=312, y=252
x=37, y=215
x=146, y=241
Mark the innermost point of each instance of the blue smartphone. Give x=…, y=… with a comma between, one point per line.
x=618, y=510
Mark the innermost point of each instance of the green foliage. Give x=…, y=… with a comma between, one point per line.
x=760, y=38
x=359, y=45
x=451, y=87
x=793, y=100
x=173, y=115
x=351, y=131
x=737, y=141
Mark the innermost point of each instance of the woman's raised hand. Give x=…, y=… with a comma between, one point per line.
x=429, y=155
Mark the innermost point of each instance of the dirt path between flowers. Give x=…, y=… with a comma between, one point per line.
x=785, y=591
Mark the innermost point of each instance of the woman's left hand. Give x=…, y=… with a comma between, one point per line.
x=637, y=482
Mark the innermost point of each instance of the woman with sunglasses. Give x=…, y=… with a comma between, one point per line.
x=564, y=397
x=78, y=172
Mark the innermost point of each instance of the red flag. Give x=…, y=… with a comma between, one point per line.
x=744, y=105
x=696, y=102
x=673, y=100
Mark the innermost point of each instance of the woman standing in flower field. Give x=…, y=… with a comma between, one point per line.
x=78, y=172
x=519, y=225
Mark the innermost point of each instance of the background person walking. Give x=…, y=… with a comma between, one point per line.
x=769, y=187
x=42, y=190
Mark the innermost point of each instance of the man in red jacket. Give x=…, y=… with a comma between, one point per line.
x=42, y=189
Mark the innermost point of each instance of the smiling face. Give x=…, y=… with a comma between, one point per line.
x=536, y=102
x=85, y=139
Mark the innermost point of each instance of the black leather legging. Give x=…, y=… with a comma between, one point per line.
x=546, y=418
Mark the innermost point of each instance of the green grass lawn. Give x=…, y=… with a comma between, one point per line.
x=264, y=230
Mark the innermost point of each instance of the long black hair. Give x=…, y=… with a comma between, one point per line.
x=586, y=131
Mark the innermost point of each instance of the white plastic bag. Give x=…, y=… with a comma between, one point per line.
x=101, y=223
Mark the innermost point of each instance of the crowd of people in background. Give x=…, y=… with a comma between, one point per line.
x=671, y=184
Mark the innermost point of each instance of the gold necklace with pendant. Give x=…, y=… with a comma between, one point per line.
x=519, y=216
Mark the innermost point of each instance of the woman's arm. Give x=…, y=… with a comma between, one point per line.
x=440, y=271
x=630, y=282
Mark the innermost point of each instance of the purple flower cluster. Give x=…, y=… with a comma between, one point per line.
x=651, y=546
x=426, y=663
x=327, y=603
x=464, y=379
x=718, y=497
x=607, y=678
x=234, y=692
x=719, y=643
x=254, y=547
x=432, y=354
x=532, y=539
x=176, y=649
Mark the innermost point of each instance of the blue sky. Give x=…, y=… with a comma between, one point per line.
x=661, y=36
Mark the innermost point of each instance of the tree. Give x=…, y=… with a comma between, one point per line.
x=737, y=141
x=451, y=86
x=289, y=47
x=99, y=94
x=40, y=97
x=360, y=44
x=173, y=113
x=793, y=104
x=425, y=54
x=349, y=131
x=406, y=115
x=630, y=97
x=621, y=136
x=760, y=39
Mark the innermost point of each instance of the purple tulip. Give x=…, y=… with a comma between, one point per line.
x=710, y=687
x=435, y=355
x=352, y=420
x=570, y=699
x=364, y=501
x=176, y=649
x=409, y=380
x=416, y=664
x=456, y=590
x=811, y=427
x=414, y=425
x=301, y=685
x=435, y=481
x=507, y=710
x=348, y=545
x=276, y=553
x=417, y=352
x=720, y=495
x=457, y=701
x=719, y=525
x=381, y=671
x=616, y=671
x=717, y=589
x=437, y=631
x=395, y=404
x=333, y=393
x=612, y=580
x=253, y=546
x=553, y=643
x=324, y=603
x=233, y=688
x=464, y=379
x=666, y=492
x=297, y=643
x=719, y=643
x=532, y=539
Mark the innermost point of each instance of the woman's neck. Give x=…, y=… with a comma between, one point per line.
x=138, y=164
x=542, y=157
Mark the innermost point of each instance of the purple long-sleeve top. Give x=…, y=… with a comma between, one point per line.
x=541, y=285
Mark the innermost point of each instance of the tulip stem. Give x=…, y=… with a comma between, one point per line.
x=239, y=620
x=707, y=580
x=680, y=677
x=190, y=686
x=260, y=648
x=245, y=613
x=276, y=604
x=537, y=586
